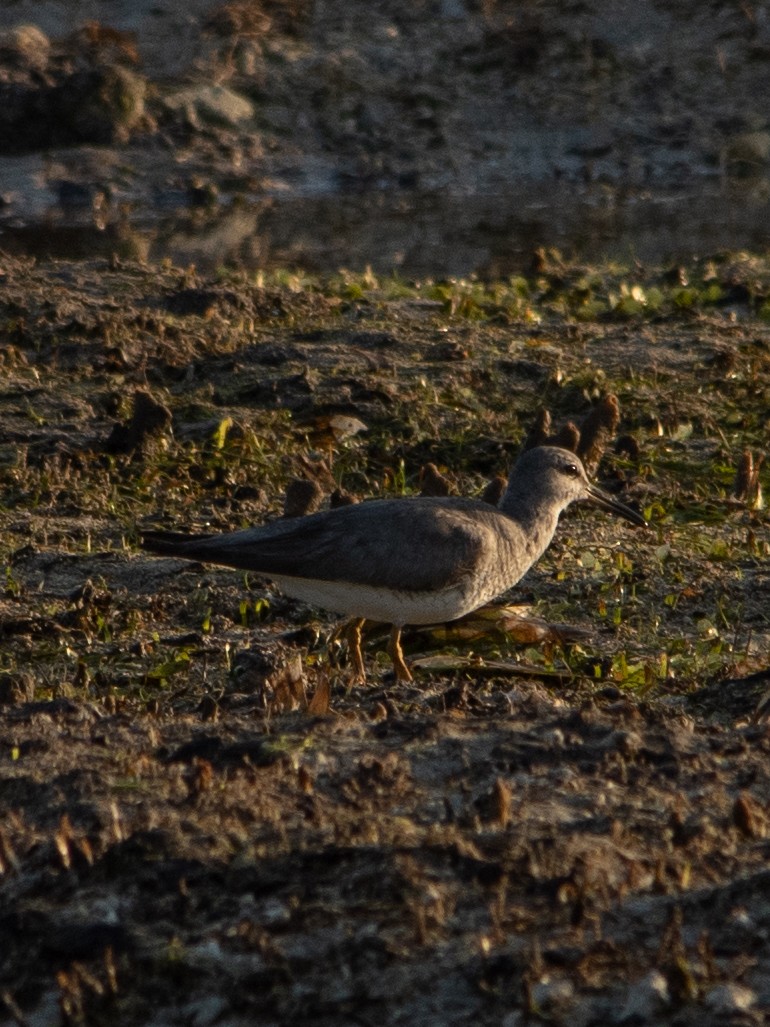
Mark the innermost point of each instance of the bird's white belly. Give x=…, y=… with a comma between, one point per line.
x=382, y=604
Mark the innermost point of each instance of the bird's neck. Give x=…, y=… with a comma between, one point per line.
x=536, y=517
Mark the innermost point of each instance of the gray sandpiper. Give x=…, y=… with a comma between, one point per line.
x=422, y=560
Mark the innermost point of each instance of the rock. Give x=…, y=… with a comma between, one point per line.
x=433, y=482
x=274, y=913
x=749, y=148
x=101, y=105
x=551, y=996
x=646, y=998
x=341, y=498
x=98, y=105
x=207, y=1011
x=303, y=497
x=149, y=418
x=727, y=999
x=215, y=105
x=627, y=445
x=16, y=686
x=513, y=1019
x=493, y=492
x=25, y=46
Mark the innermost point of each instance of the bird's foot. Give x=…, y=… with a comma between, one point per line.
x=353, y=636
x=400, y=669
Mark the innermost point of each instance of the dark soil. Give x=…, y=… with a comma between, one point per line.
x=193, y=832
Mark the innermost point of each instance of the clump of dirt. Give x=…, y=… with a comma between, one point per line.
x=200, y=822
x=81, y=90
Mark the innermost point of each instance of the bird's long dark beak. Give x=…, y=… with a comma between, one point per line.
x=612, y=505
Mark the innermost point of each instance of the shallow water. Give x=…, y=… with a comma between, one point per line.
x=415, y=235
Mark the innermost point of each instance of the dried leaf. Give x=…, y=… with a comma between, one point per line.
x=319, y=705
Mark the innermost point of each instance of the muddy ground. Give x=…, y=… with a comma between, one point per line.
x=200, y=823
x=194, y=831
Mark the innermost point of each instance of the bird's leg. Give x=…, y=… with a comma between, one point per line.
x=400, y=668
x=353, y=637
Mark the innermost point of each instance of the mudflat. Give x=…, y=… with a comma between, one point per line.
x=200, y=823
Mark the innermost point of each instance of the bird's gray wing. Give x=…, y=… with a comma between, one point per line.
x=410, y=545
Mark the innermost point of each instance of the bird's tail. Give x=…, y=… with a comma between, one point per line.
x=170, y=543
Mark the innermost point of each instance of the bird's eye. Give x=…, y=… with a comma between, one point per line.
x=571, y=470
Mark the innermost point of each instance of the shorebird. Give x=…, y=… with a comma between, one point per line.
x=423, y=560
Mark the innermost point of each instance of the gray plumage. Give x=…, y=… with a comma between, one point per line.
x=413, y=561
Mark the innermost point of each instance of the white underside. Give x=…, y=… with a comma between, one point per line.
x=383, y=604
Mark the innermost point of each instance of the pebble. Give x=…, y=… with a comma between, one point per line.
x=646, y=998
x=549, y=995
x=730, y=998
